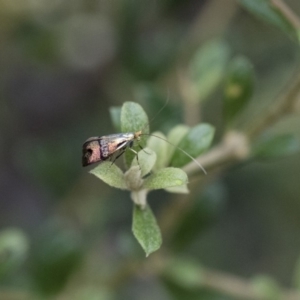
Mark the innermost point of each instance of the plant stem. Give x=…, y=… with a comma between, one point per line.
x=287, y=12
x=237, y=287
x=286, y=104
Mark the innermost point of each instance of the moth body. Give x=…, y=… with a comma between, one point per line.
x=98, y=149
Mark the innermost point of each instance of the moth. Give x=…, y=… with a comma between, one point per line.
x=98, y=149
x=112, y=146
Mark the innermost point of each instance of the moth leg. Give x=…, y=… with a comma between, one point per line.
x=137, y=156
x=115, y=158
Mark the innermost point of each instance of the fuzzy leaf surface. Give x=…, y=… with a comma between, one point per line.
x=165, y=178
x=133, y=119
x=110, y=174
x=146, y=160
x=160, y=147
x=146, y=230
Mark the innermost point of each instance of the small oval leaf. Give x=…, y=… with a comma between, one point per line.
x=145, y=229
x=195, y=142
x=110, y=174
x=133, y=119
x=165, y=178
x=238, y=87
x=267, y=11
x=175, y=135
x=276, y=146
x=157, y=144
x=208, y=66
x=146, y=160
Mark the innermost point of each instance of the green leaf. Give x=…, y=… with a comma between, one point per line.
x=13, y=250
x=133, y=178
x=268, y=12
x=139, y=197
x=115, y=115
x=195, y=142
x=175, y=135
x=133, y=119
x=161, y=149
x=181, y=189
x=110, y=174
x=146, y=160
x=276, y=146
x=185, y=273
x=267, y=288
x=145, y=229
x=207, y=67
x=238, y=87
x=165, y=178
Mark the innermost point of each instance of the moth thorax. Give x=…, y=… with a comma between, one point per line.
x=137, y=135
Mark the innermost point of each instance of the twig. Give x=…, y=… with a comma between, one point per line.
x=240, y=288
x=287, y=103
x=287, y=12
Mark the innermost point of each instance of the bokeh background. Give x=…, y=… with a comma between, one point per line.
x=63, y=64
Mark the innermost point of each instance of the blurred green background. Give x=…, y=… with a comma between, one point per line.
x=63, y=64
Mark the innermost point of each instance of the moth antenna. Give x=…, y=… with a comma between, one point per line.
x=183, y=151
x=160, y=110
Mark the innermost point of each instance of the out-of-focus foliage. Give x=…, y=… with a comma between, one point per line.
x=238, y=87
x=66, y=68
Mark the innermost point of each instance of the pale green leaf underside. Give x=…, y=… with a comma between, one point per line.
x=181, y=189
x=110, y=174
x=165, y=178
x=146, y=160
x=160, y=147
x=146, y=230
x=133, y=119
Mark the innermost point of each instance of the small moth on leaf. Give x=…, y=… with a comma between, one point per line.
x=111, y=147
